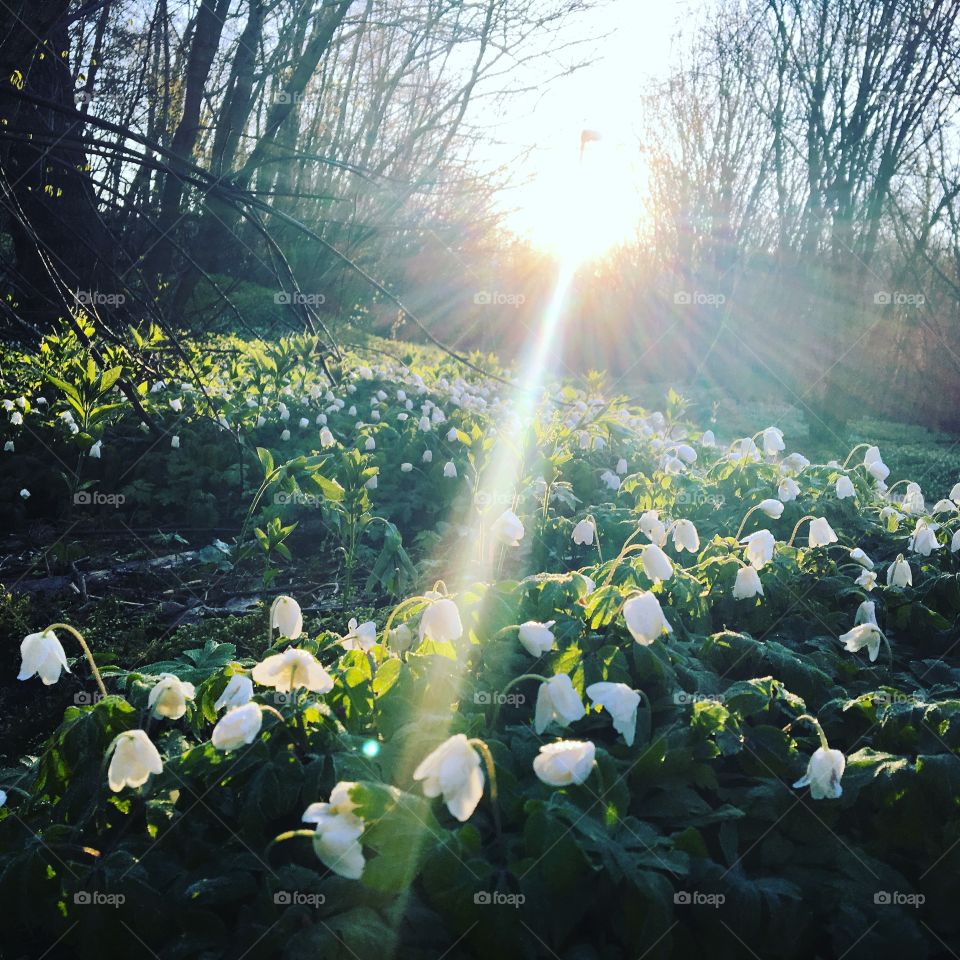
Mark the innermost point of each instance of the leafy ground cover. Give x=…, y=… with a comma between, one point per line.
x=426, y=665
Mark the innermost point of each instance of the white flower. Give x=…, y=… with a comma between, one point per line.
x=656, y=564
x=621, y=703
x=923, y=539
x=747, y=584
x=450, y=469
x=3, y=798
x=169, y=697
x=176, y=405
x=653, y=528
x=441, y=620
x=293, y=668
x=427, y=456
x=760, y=546
x=360, y=636
x=866, y=612
x=772, y=440
x=867, y=580
x=823, y=774
x=134, y=759
x=645, y=619
x=400, y=639
x=237, y=727
x=772, y=508
x=944, y=506
x=845, y=488
x=371, y=484
x=788, y=490
x=913, y=501
x=406, y=467
x=874, y=464
x=565, y=762
x=891, y=517
x=237, y=692
x=508, y=528
x=708, y=439
x=338, y=832
x=610, y=480
x=793, y=464
x=370, y=444
x=326, y=437
x=94, y=451
x=175, y=442
x=955, y=542
x=685, y=536
x=25, y=493
x=858, y=556
x=821, y=533
x=621, y=466
x=557, y=700
x=899, y=573
x=453, y=769
x=863, y=635
x=424, y=424
x=42, y=655
x=8, y=447
x=286, y=617
x=744, y=449
x=285, y=435
x=584, y=531
x=537, y=638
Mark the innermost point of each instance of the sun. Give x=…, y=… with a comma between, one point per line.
x=587, y=198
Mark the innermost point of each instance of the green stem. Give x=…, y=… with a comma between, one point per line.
x=509, y=687
x=86, y=652
x=492, y=774
x=859, y=446
x=815, y=723
x=743, y=522
x=804, y=519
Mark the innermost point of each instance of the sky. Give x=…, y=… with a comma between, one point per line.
x=604, y=96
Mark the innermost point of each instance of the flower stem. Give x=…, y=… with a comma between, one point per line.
x=796, y=529
x=510, y=686
x=859, y=446
x=815, y=723
x=492, y=774
x=743, y=522
x=86, y=652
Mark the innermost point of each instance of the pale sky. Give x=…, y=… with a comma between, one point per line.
x=604, y=97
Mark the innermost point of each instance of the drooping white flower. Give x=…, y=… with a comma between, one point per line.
x=285, y=436
x=286, y=617
x=42, y=655
x=858, y=556
x=923, y=540
x=583, y=532
x=361, y=636
x=406, y=467
x=845, y=488
x=644, y=618
x=899, y=573
x=656, y=564
x=441, y=620
x=913, y=501
x=747, y=584
x=564, y=763
x=874, y=464
x=450, y=469
x=292, y=669
x=508, y=528
x=537, y=638
x=823, y=774
x=134, y=759
x=788, y=490
x=867, y=580
x=744, y=449
x=772, y=440
x=653, y=528
x=454, y=771
x=621, y=702
x=793, y=464
x=237, y=692
x=557, y=700
x=338, y=831
x=686, y=453
x=427, y=456
x=760, y=547
x=955, y=542
x=238, y=727
x=25, y=494
x=94, y=450
x=327, y=438
x=685, y=536
x=866, y=613
x=708, y=439
x=610, y=480
x=169, y=695
x=772, y=508
x=944, y=506
x=175, y=442
x=621, y=466
x=821, y=533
